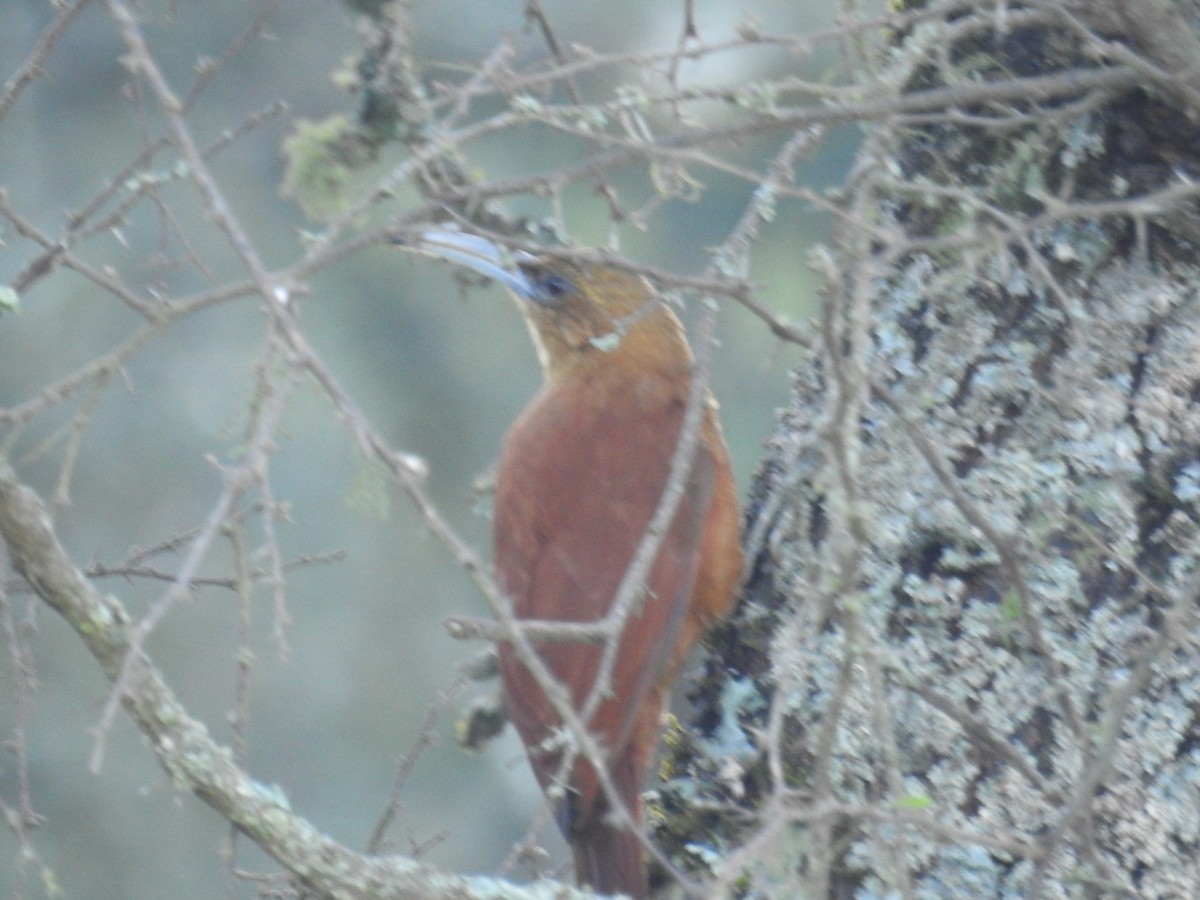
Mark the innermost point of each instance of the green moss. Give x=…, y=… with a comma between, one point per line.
x=317, y=172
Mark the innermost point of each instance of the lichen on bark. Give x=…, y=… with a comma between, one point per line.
x=965, y=663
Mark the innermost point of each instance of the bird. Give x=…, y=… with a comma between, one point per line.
x=581, y=474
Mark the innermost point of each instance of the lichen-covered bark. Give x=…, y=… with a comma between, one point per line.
x=967, y=663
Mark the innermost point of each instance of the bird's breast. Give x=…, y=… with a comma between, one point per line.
x=581, y=472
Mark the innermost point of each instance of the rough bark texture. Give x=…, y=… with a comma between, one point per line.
x=967, y=663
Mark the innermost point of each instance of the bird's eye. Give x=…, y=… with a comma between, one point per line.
x=554, y=287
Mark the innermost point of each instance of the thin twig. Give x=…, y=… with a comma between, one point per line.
x=33, y=65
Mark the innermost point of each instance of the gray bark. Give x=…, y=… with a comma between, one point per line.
x=966, y=662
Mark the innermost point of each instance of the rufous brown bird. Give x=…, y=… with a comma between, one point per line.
x=581, y=473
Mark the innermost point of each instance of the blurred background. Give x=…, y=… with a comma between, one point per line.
x=438, y=371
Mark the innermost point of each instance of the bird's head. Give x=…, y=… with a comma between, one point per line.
x=580, y=314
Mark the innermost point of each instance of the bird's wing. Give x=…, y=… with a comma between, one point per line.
x=571, y=511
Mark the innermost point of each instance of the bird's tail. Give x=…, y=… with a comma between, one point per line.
x=609, y=859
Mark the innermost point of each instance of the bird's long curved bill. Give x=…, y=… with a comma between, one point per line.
x=476, y=253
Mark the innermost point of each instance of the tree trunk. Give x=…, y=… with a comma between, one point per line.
x=967, y=661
